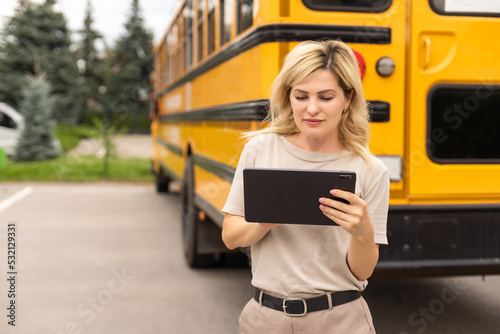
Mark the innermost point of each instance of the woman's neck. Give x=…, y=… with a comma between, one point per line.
x=318, y=145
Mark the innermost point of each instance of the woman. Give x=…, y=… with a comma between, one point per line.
x=308, y=278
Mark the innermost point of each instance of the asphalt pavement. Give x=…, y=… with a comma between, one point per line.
x=106, y=258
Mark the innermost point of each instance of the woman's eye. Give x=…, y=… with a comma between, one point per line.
x=300, y=98
x=327, y=98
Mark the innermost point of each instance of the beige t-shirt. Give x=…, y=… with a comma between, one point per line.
x=308, y=260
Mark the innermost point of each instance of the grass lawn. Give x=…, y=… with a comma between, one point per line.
x=70, y=136
x=79, y=169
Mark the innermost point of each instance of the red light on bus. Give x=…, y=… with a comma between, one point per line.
x=152, y=106
x=361, y=62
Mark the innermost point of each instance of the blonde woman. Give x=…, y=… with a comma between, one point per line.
x=307, y=278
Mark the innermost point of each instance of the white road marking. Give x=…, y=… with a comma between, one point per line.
x=14, y=198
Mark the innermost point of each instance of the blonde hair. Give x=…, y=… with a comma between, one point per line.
x=304, y=60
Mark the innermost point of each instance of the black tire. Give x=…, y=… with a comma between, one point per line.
x=190, y=223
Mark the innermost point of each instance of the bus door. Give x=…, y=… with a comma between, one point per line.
x=454, y=101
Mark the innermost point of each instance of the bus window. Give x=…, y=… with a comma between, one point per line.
x=167, y=58
x=159, y=78
x=173, y=56
x=201, y=6
x=211, y=26
x=188, y=39
x=463, y=124
x=170, y=58
x=245, y=15
x=466, y=7
x=375, y=6
x=226, y=21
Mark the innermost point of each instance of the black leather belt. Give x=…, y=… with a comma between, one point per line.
x=299, y=307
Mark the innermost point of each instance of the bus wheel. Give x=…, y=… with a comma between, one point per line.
x=191, y=222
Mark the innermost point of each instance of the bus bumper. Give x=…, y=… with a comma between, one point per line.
x=441, y=241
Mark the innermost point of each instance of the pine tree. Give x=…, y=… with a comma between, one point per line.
x=36, y=141
x=16, y=56
x=93, y=65
x=37, y=39
x=133, y=61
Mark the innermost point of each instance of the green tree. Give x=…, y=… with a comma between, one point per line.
x=92, y=64
x=37, y=39
x=129, y=75
x=36, y=141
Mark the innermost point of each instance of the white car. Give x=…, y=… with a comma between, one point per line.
x=11, y=126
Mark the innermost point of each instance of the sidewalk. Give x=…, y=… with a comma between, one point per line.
x=127, y=146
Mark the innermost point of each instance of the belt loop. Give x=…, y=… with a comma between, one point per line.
x=329, y=297
x=260, y=296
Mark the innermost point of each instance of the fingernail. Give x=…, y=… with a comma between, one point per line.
x=333, y=192
x=322, y=200
x=322, y=207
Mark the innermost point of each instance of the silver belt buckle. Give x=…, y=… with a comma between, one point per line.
x=295, y=299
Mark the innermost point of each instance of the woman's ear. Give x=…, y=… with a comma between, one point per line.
x=349, y=99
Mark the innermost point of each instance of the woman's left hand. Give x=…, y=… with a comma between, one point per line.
x=353, y=217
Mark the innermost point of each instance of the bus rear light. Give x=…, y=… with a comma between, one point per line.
x=385, y=67
x=395, y=165
x=153, y=111
x=202, y=216
x=361, y=62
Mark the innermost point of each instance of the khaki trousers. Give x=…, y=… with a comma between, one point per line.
x=351, y=318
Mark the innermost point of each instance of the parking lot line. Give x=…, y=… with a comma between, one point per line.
x=16, y=197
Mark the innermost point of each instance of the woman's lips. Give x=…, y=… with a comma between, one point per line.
x=313, y=121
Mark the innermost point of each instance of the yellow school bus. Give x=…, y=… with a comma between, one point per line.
x=431, y=74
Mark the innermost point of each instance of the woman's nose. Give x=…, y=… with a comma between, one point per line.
x=312, y=107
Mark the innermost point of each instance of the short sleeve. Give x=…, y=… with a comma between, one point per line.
x=376, y=198
x=235, y=201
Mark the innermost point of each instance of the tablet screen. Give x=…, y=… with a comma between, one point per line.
x=291, y=196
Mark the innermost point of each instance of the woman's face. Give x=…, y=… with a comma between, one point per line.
x=317, y=105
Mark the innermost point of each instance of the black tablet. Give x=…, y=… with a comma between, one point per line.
x=291, y=196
